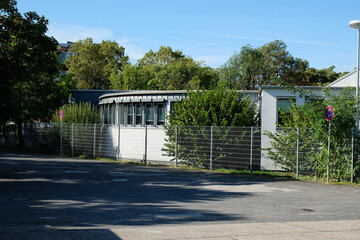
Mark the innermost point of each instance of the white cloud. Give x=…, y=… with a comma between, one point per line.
x=64, y=33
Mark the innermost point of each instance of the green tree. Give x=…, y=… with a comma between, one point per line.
x=164, y=56
x=321, y=77
x=243, y=70
x=83, y=112
x=309, y=120
x=189, y=127
x=271, y=64
x=28, y=67
x=91, y=64
x=165, y=70
x=218, y=107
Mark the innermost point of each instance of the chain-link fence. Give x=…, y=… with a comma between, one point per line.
x=203, y=147
x=305, y=151
x=243, y=148
x=214, y=147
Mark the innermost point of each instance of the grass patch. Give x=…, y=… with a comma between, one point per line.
x=119, y=161
x=279, y=175
x=271, y=174
x=85, y=157
x=106, y=159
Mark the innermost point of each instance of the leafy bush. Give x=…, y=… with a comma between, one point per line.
x=83, y=112
x=191, y=121
x=307, y=124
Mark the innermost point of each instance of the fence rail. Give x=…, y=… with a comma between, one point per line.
x=242, y=148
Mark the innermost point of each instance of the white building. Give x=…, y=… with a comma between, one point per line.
x=135, y=109
x=274, y=99
x=139, y=108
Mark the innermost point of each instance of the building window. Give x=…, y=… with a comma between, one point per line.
x=160, y=114
x=138, y=114
x=112, y=111
x=149, y=114
x=103, y=113
x=121, y=114
x=283, y=107
x=106, y=114
x=129, y=114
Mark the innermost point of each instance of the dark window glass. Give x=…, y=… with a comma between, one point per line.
x=149, y=114
x=130, y=115
x=112, y=113
x=160, y=114
x=138, y=112
x=283, y=107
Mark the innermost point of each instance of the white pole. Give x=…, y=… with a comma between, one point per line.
x=356, y=24
x=328, y=160
x=352, y=156
x=357, y=84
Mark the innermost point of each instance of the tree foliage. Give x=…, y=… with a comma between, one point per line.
x=307, y=124
x=218, y=107
x=91, y=64
x=82, y=112
x=189, y=132
x=28, y=67
x=165, y=70
x=321, y=77
x=271, y=64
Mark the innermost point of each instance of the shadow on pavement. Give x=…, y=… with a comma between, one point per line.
x=48, y=190
x=48, y=233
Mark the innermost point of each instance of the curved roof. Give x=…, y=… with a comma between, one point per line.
x=159, y=92
x=143, y=92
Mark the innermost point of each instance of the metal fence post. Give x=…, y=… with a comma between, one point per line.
x=72, y=139
x=328, y=160
x=211, y=146
x=145, y=151
x=118, y=149
x=176, y=145
x=251, y=150
x=24, y=136
x=297, y=152
x=352, y=155
x=52, y=138
x=94, y=144
x=61, y=137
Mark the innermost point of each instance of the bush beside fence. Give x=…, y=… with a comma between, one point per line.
x=240, y=148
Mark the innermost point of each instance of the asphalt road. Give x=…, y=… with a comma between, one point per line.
x=40, y=194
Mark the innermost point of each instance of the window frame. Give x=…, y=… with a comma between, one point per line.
x=158, y=121
x=146, y=107
x=129, y=110
x=136, y=114
x=290, y=99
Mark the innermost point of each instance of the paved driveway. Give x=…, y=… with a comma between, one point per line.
x=39, y=191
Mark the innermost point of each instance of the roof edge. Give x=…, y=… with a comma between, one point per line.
x=158, y=92
x=341, y=78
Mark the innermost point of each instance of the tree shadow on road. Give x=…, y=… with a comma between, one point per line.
x=68, y=192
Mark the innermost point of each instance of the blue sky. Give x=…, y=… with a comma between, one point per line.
x=210, y=30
